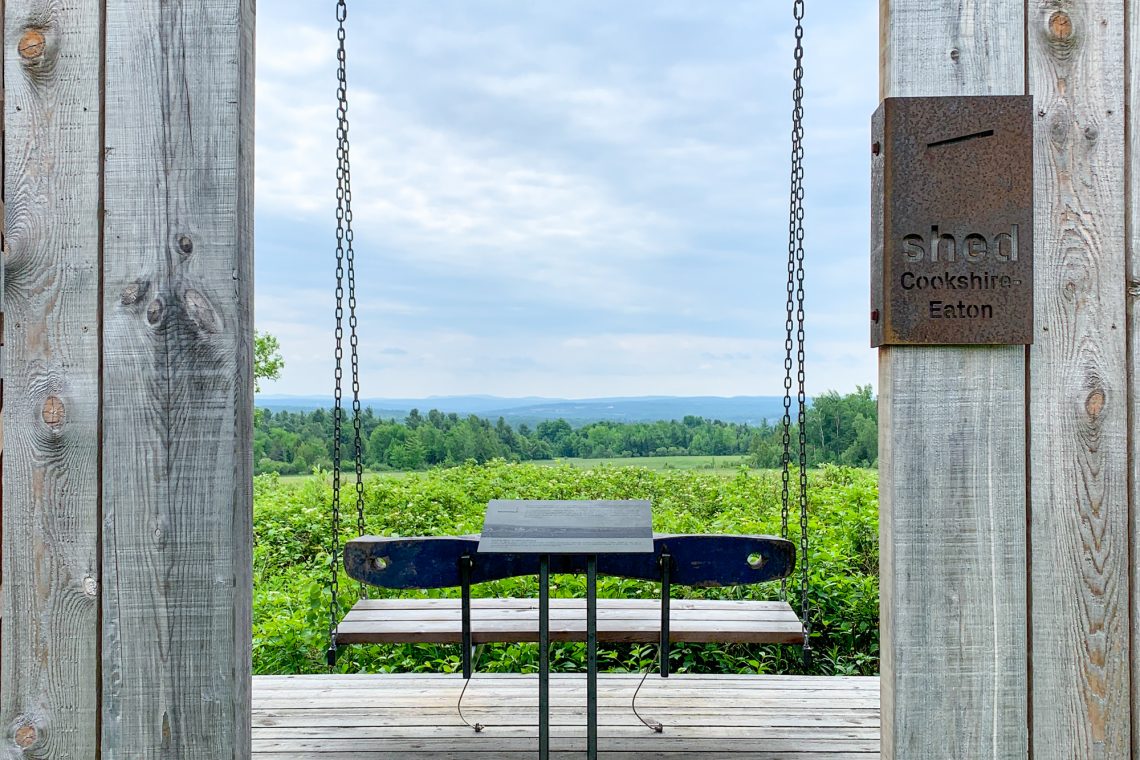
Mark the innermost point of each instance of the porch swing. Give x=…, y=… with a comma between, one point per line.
x=699, y=560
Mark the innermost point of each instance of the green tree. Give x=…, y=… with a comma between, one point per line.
x=267, y=361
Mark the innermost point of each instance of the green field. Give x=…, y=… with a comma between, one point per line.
x=292, y=560
x=717, y=465
x=720, y=465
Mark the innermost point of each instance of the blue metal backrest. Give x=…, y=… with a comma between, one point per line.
x=695, y=560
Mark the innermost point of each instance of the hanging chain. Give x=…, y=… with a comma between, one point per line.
x=344, y=177
x=795, y=259
x=796, y=267
x=343, y=252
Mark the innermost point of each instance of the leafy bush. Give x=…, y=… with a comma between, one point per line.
x=292, y=556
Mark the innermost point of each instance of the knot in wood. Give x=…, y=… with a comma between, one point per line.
x=202, y=312
x=133, y=293
x=53, y=411
x=1060, y=126
x=185, y=245
x=32, y=44
x=154, y=311
x=26, y=736
x=1094, y=404
x=955, y=55
x=1061, y=26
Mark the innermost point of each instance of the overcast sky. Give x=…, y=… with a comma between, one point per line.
x=566, y=198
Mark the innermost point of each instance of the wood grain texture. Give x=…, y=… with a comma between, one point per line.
x=413, y=716
x=50, y=630
x=952, y=459
x=624, y=620
x=1078, y=405
x=1133, y=306
x=177, y=379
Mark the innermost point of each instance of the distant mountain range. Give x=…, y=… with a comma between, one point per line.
x=531, y=410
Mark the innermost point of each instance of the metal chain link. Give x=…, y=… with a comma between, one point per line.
x=795, y=237
x=797, y=205
x=345, y=175
x=343, y=236
x=794, y=339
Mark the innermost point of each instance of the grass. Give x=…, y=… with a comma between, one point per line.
x=296, y=480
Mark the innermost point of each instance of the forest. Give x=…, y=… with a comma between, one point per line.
x=839, y=429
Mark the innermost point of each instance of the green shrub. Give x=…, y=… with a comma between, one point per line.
x=292, y=555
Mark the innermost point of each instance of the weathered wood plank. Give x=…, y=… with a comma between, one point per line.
x=952, y=459
x=753, y=752
x=1078, y=404
x=766, y=607
x=524, y=701
x=177, y=379
x=49, y=635
x=488, y=743
x=701, y=719
x=515, y=620
x=694, y=680
x=444, y=729
x=1132, y=154
x=286, y=723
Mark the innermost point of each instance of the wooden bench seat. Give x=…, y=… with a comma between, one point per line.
x=695, y=560
x=377, y=621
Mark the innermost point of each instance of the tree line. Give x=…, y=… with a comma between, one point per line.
x=840, y=429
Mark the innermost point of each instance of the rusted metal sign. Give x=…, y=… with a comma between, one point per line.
x=952, y=221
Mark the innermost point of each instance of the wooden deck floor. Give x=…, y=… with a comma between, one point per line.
x=413, y=716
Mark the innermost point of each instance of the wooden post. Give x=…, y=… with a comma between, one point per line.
x=49, y=634
x=127, y=530
x=1005, y=483
x=952, y=435
x=1078, y=384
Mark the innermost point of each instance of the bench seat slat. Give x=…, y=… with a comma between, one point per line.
x=490, y=615
x=516, y=620
x=423, y=603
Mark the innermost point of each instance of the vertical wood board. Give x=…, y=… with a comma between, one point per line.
x=1132, y=166
x=178, y=379
x=1079, y=402
x=49, y=632
x=952, y=459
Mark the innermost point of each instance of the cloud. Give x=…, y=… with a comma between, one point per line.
x=530, y=175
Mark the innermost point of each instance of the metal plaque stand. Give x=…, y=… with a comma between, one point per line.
x=567, y=528
x=544, y=656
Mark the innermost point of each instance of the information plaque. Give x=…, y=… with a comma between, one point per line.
x=567, y=527
x=952, y=221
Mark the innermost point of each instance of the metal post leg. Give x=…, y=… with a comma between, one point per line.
x=544, y=657
x=666, y=589
x=465, y=576
x=591, y=657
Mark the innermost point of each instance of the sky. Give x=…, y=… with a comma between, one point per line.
x=568, y=199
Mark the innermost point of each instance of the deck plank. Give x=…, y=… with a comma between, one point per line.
x=367, y=717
